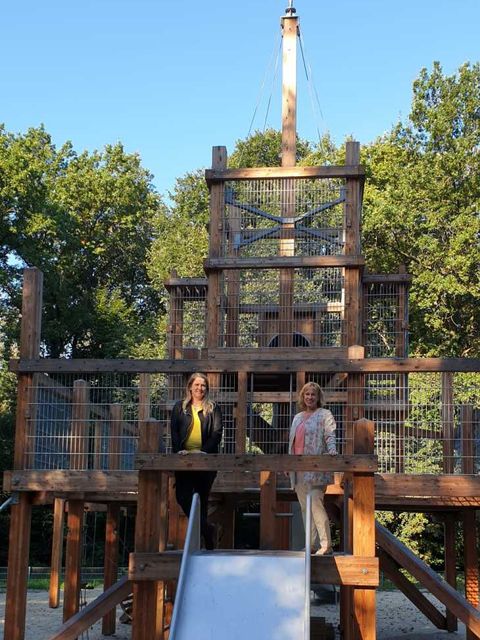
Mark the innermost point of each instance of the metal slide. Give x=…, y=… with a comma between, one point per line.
x=237, y=594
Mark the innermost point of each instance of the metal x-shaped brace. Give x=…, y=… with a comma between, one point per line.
x=241, y=241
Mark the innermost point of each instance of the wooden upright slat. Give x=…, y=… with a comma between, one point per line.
x=80, y=425
x=241, y=417
x=448, y=434
x=115, y=436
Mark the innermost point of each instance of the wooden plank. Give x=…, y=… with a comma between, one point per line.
x=73, y=558
x=341, y=569
x=416, y=597
x=239, y=362
x=265, y=173
x=57, y=552
x=275, y=262
x=95, y=610
x=248, y=462
x=372, y=278
x=428, y=579
x=110, y=566
x=426, y=485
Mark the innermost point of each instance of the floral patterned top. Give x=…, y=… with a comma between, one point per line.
x=319, y=439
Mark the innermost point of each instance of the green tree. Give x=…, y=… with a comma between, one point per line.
x=422, y=209
x=87, y=221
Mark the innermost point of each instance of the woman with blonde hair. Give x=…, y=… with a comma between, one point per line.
x=313, y=433
x=196, y=428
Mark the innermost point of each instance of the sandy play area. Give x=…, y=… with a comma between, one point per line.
x=396, y=619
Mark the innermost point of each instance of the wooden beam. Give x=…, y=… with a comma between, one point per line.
x=275, y=262
x=391, y=569
x=265, y=173
x=429, y=579
x=336, y=569
x=450, y=564
x=248, y=462
x=95, y=610
x=239, y=362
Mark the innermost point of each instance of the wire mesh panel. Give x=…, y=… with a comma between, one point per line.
x=386, y=315
x=263, y=217
x=254, y=313
x=187, y=318
x=92, y=422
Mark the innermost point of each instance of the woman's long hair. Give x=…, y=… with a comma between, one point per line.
x=318, y=390
x=207, y=403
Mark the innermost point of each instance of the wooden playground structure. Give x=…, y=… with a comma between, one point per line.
x=285, y=300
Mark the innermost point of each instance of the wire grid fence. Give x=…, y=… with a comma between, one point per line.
x=188, y=318
x=386, y=319
x=262, y=309
x=296, y=217
x=424, y=422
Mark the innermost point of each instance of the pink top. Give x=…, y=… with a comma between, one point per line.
x=299, y=442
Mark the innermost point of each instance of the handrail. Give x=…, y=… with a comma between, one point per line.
x=308, y=562
x=192, y=543
x=7, y=503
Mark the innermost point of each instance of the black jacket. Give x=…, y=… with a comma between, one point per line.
x=211, y=425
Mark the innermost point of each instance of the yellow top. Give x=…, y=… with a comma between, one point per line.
x=194, y=440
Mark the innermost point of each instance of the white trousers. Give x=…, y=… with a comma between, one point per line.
x=320, y=530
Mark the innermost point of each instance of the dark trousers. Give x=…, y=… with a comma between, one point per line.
x=186, y=484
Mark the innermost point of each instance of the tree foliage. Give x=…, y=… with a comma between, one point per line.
x=422, y=209
x=87, y=221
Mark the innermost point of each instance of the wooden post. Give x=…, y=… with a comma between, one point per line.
x=21, y=513
x=450, y=564
x=364, y=531
x=353, y=294
x=217, y=209
x=57, y=552
x=110, y=567
x=80, y=426
x=468, y=515
x=289, y=90
x=268, y=509
x=73, y=559
x=147, y=536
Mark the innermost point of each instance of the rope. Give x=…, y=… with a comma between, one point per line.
x=314, y=100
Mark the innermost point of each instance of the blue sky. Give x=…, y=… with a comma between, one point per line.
x=171, y=79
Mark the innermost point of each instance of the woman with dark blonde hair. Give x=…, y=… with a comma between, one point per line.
x=313, y=433
x=196, y=427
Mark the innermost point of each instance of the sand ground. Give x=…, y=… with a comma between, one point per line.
x=397, y=619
